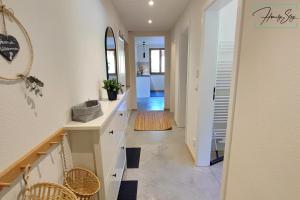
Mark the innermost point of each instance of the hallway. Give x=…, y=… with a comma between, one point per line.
x=166, y=170
x=226, y=71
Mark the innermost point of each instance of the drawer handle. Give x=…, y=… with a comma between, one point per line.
x=111, y=132
x=122, y=147
x=114, y=175
x=121, y=114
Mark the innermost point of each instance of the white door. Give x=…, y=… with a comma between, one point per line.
x=180, y=116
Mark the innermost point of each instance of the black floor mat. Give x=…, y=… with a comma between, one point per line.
x=133, y=157
x=128, y=190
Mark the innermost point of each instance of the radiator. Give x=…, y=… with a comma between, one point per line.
x=222, y=92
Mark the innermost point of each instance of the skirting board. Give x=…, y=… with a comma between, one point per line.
x=191, y=153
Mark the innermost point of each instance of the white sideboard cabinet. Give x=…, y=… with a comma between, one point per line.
x=100, y=145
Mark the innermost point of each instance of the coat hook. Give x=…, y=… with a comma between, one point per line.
x=25, y=166
x=42, y=153
x=53, y=143
x=26, y=176
x=2, y=185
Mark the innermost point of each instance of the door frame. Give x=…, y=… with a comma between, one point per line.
x=132, y=60
x=233, y=94
x=234, y=84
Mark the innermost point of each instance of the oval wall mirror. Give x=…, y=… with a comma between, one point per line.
x=111, y=54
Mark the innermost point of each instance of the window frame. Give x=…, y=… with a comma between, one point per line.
x=160, y=60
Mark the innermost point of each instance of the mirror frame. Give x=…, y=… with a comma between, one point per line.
x=116, y=60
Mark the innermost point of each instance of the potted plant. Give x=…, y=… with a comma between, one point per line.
x=112, y=87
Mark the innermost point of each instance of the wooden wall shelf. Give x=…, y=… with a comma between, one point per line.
x=16, y=169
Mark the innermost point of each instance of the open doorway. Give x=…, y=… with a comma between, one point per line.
x=216, y=78
x=223, y=76
x=150, y=73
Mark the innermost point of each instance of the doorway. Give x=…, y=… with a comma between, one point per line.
x=150, y=73
x=216, y=77
x=223, y=77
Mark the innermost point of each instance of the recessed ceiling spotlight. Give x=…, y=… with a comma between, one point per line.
x=149, y=21
x=151, y=3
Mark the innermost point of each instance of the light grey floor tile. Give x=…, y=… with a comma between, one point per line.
x=167, y=171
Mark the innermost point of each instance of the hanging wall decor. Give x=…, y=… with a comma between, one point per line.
x=33, y=84
x=9, y=48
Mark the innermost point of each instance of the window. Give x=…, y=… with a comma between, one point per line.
x=157, y=61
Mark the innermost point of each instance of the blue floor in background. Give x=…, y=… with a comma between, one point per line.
x=154, y=103
x=157, y=94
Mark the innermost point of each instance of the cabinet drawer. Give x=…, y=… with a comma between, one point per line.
x=108, y=149
x=114, y=179
x=111, y=140
x=121, y=128
x=114, y=124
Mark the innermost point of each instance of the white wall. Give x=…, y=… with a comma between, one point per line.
x=191, y=19
x=181, y=81
x=206, y=88
x=68, y=40
x=226, y=21
x=263, y=160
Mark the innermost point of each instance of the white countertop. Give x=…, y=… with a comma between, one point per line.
x=108, y=109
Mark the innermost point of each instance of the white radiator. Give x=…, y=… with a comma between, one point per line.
x=222, y=92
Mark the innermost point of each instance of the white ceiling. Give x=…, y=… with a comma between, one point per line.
x=136, y=13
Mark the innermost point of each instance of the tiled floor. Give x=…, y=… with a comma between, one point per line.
x=157, y=94
x=154, y=103
x=151, y=104
x=166, y=168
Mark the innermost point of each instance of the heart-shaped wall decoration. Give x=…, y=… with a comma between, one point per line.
x=9, y=47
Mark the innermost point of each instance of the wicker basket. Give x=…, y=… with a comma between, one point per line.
x=49, y=191
x=84, y=183
x=86, y=111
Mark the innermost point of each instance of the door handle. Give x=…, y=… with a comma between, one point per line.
x=214, y=94
x=114, y=175
x=111, y=132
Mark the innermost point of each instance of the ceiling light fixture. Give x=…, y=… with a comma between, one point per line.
x=149, y=21
x=151, y=3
